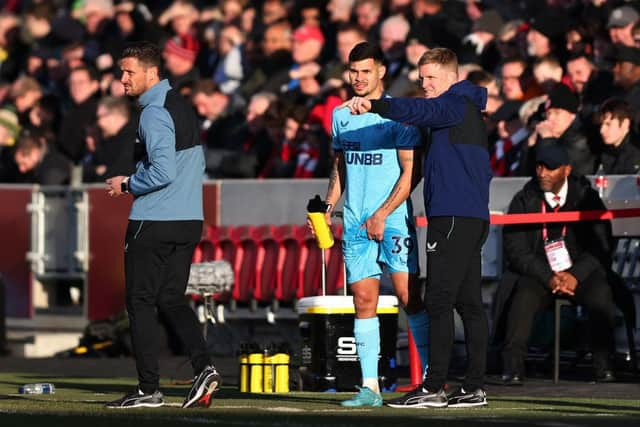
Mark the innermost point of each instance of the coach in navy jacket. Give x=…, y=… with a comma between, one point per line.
x=456, y=165
x=456, y=196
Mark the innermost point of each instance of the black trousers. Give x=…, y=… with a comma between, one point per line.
x=157, y=262
x=454, y=281
x=531, y=296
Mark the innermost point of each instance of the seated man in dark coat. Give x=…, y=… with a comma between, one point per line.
x=555, y=259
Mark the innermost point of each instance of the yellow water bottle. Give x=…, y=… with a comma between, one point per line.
x=267, y=373
x=255, y=365
x=316, y=210
x=244, y=369
x=281, y=361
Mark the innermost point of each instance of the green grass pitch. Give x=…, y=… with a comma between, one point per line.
x=80, y=402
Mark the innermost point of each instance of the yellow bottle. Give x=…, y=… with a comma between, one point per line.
x=316, y=210
x=244, y=372
x=267, y=373
x=282, y=372
x=255, y=364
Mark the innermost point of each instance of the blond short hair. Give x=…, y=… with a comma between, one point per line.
x=440, y=55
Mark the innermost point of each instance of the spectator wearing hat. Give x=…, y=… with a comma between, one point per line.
x=179, y=56
x=531, y=282
x=9, y=127
x=505, y=152
x=562, y=126
x=9, y=131
x=306, y=50
x=620, y=24
x=621, y=152
x=305, y=87
x=479, y=46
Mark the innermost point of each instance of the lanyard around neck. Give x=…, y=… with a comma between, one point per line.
x=545, y=234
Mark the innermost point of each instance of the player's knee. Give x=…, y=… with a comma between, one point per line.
x=365, y=301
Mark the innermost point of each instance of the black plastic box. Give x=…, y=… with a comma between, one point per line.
x=329, y=360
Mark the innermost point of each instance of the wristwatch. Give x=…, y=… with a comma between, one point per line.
x=124, y=185
x=329, y=206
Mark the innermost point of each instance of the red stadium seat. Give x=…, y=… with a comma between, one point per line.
x=310, y=266
x=205, y=251
x=225, y=247
x=223, y=243
x=289, y=248
x=266, y=263
x=244, y=265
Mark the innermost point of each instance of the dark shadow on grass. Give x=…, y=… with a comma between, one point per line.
x=233, y=393
x=565, y=404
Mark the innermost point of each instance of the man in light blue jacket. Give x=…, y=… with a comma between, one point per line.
x=165, y=225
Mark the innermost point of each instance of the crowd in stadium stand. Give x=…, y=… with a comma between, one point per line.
x=265, y=76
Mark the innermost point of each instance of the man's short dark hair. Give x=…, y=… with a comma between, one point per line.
x=146, y=52
x=617, y=108
x=366, y=50
x=579, y=53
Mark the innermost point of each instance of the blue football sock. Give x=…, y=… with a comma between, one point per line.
x=419, y=325
x=367, y=335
